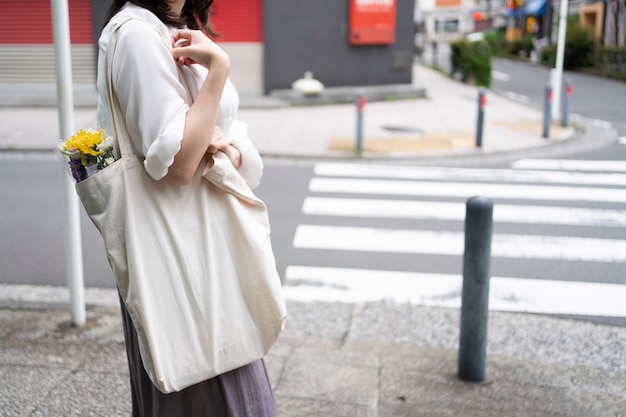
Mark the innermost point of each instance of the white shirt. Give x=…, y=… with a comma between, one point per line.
x=147, y=84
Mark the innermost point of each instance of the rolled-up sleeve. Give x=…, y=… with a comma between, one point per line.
x=150, y=94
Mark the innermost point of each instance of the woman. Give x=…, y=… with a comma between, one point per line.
x=172, y=85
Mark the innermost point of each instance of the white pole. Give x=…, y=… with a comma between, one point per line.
x=557, y=80
x=65, y=100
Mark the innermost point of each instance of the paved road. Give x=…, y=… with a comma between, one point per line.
x=371, y=232
x=349, y=231
x=592, y=97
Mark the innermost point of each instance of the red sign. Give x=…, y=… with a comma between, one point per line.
x=372, y=22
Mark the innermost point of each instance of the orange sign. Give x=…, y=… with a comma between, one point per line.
x=372, y=22
x=448, y=3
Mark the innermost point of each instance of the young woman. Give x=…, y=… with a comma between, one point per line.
x=171, y=83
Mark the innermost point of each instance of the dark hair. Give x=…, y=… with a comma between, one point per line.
x=195, y=13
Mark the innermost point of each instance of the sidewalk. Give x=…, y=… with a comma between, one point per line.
x=337, y=360
x=441, y=125
x=334, y=359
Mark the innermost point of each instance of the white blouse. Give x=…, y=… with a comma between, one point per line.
x=149, y=90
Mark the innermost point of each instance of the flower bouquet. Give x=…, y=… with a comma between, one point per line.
x=87, y=152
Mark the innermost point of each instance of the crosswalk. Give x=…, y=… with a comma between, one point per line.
x=554, y=213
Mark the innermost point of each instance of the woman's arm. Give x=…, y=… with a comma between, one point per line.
x=193, y=47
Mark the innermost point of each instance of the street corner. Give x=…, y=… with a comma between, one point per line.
x=533, y=128
x=407, y=144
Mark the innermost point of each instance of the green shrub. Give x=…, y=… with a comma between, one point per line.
x=579, y=50
x=472, y=60
x=547, y=56
x=497, y=42
x=611, y=62
x=499, y=45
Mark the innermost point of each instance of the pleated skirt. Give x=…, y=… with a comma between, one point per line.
x=243, y=392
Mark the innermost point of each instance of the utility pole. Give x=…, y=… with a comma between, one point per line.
x=65, y=100
x=557, y=73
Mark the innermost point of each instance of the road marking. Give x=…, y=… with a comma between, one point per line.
x=501, y=175
x=570, y=165
x=452, y=243
x=500, y=76
x=465, y=190
x=602, y=123
x=403, y=209
x=305, y=283
x=518, y=97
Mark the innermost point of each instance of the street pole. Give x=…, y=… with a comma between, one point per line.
x=475, y=292
x=65, y=100
x=560, y=51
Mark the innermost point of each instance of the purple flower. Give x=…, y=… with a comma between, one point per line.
x=77, y=170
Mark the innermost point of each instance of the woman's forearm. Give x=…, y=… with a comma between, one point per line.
x=199, y=125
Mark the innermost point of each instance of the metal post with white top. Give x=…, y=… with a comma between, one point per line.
x=557, y=72
x=65, y=100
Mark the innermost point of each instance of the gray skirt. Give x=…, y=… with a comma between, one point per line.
x=243, y=392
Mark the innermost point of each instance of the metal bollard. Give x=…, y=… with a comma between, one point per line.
x=475, y=297
x=481, y=115
x=566, y=103
x=547, y=111
x=360, y=106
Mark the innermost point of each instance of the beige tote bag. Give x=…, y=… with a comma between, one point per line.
x=193, y=264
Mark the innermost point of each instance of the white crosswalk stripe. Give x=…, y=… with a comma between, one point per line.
x=403, y=209
x=465, y=190
x=468, y=174
x=569, y=195
x=570, y=165
x=451, y=243
x=444, y=290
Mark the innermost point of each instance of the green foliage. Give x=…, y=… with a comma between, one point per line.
x=499, y=45
x=611, y=62
x=472, y=60
x=579, y=51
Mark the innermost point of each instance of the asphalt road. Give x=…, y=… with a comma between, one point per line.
x=592, y=97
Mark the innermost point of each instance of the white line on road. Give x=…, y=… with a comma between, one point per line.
x=570, y=165
x=452, y=243
x=602, y=123
x=305, y=283
x=426, y=173
x=518, y=97
x=465, y=190
x=500, y=76
x=403, y=209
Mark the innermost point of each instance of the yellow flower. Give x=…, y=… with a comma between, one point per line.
x=86, y=142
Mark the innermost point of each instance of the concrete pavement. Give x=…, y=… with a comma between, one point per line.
x=441, y=125
x=335, y=359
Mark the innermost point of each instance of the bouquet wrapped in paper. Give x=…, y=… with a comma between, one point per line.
x=87, y=152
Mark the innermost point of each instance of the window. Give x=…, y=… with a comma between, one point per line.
x=449, y=25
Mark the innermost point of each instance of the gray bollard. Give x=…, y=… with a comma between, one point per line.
x=475, y=297
x=360, y=106
x=547, y=111
x=567, y=95
x=481, y=117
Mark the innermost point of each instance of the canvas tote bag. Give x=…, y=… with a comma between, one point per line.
x=193, y=264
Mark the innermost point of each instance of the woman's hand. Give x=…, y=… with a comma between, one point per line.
x=219, y=143
x=194, y=47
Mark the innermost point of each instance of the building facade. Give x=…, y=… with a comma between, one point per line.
x=271, y=43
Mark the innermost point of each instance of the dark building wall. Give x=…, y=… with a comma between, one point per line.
x=313, y=36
